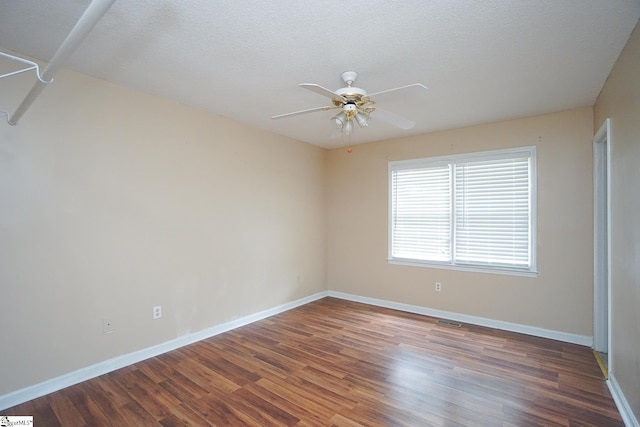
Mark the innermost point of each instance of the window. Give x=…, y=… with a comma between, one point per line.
x=472, y=211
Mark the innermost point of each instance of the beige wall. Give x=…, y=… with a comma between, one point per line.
x=559, y=299
x=112, y=201
x=620, y=101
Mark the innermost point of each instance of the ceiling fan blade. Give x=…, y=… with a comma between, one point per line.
x=320, y=90
x=416, y=87
x=392, y=119
x=296, y=113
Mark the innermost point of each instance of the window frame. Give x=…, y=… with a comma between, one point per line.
x=529, y=151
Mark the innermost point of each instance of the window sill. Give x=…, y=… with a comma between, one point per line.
x=475, y=269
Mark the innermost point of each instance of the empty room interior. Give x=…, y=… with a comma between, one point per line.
x=327, y=213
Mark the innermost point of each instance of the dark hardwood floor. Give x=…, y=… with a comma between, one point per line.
x=339, y=363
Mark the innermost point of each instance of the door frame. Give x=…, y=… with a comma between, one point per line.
x=602, y=241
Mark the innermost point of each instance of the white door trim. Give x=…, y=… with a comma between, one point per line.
x=602, y=240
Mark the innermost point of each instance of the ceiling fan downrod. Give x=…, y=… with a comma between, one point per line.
x=349, y=77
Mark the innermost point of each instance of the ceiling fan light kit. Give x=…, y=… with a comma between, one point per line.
x=339, y=119
x=363, y=119
x=355, y=105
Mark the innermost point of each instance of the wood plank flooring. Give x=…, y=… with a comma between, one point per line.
x=339, y=363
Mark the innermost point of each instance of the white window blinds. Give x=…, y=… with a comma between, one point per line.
x=421, y=211
x=470, y=210
x=492, y=212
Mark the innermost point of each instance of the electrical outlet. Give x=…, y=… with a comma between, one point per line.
x=157, y=312
x=438, y=286
x=107, y=325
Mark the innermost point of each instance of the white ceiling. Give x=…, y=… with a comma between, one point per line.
x=482, y=61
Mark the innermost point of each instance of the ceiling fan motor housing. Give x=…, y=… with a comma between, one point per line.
x=351, y=91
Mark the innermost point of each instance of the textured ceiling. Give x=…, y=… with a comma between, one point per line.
x=482, y=61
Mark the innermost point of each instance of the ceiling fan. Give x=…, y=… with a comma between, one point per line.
x=355, y=105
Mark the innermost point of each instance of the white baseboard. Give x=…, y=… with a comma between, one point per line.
x=32, y=392
x=474, y=320
x=624, y=408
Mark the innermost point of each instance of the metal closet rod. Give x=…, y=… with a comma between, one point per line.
x=94, y=12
